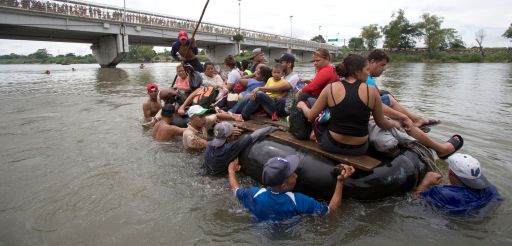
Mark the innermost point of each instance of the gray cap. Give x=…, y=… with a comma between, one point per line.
x=221, y=132
x=278, y=169
x=256, y=52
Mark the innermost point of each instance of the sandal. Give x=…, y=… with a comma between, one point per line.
x=457, y=141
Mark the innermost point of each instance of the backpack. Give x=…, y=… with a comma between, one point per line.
x=194, y=77
x=206, y=96
x=300, y=127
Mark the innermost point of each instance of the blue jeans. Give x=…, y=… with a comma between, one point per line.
x=266, y=102
x=240, y=105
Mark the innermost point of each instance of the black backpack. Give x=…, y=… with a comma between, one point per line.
x=300, y=127
x=194, y=78
x=206, y=96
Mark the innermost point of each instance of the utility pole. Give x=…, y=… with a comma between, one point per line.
x=291, y=30
x=124, y=15
x=239, y=16
x=239, y=24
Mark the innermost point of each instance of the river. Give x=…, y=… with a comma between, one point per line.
x=78, y=169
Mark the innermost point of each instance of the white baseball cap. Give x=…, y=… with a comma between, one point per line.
x=196, y=110
x=468, y=170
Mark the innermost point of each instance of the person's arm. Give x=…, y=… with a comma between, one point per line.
x=319, y=105
x=284, y=87
x=195, y=50
x=177, y=131
x=320, y=80
x=430, y=179
x=174, y=50
x=336, y=199
x=146, y=108
x=181, y=109
x=377, y=112
x=396, y=115
x=233, y=168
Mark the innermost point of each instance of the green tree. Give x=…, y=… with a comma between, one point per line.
x=40, y=54
x=508, y=33
x=393, y=30
x=70, y=55
x=452, y=39
x=318, y=38
x=433, y=35
x=400, y=33
x=356, y=43
x=370, y=34
x=140, y=52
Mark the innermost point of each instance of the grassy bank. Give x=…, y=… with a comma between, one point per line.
x=87, y=59
x=462, y=56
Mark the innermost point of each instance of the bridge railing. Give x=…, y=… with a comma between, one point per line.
x=112, y=13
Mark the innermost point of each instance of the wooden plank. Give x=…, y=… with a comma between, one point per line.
x=363, y=162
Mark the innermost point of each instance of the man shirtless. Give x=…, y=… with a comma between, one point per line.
x=163, y=130
x=151, y=105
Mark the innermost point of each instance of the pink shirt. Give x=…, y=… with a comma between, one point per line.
x=183, y=83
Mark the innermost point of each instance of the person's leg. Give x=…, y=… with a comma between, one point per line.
x=280, y=105
x=239, y=106
x=249, y=109
x=394, y=104
x=442, y=149
x=266, y=102
x=197, y=65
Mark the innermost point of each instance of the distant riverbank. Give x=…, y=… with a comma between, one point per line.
x=461, y=56
x=498, y=55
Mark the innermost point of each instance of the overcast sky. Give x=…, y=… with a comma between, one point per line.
x=336, y=17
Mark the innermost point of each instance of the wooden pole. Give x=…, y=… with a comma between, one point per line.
x=193, y=36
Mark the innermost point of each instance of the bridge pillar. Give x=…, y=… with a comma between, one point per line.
x=274, y=54
x=304, y=56
x=217, y=53
x=110, y=50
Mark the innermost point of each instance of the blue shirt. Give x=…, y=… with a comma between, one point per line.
x=176, y=47
x=370, y=81
x=267, y=205
x=253, y=84
x=460, y=198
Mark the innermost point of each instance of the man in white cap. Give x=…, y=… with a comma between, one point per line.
x=223, y=149
x=196, y=134
x=277, y=202
x=257, y=57
x=468, y=189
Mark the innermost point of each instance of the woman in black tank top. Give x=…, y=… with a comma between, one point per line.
x=350, y=103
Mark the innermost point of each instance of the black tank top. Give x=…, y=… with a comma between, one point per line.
x=350, y=116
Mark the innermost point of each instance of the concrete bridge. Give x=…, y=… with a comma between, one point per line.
x=111, y=29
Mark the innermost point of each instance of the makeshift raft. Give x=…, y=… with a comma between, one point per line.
x=375, y=178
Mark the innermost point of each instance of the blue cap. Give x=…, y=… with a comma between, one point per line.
x=278, y=169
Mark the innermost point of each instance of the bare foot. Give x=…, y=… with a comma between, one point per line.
x=238, y=117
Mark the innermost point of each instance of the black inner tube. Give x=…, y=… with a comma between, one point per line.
x=316, y=176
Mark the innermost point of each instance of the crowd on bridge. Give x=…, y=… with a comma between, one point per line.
x=116, y=14
x=343, y=105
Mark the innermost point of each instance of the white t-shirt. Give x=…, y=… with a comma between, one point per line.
x=233, y=77
x=216, y=81
x=292, y=79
